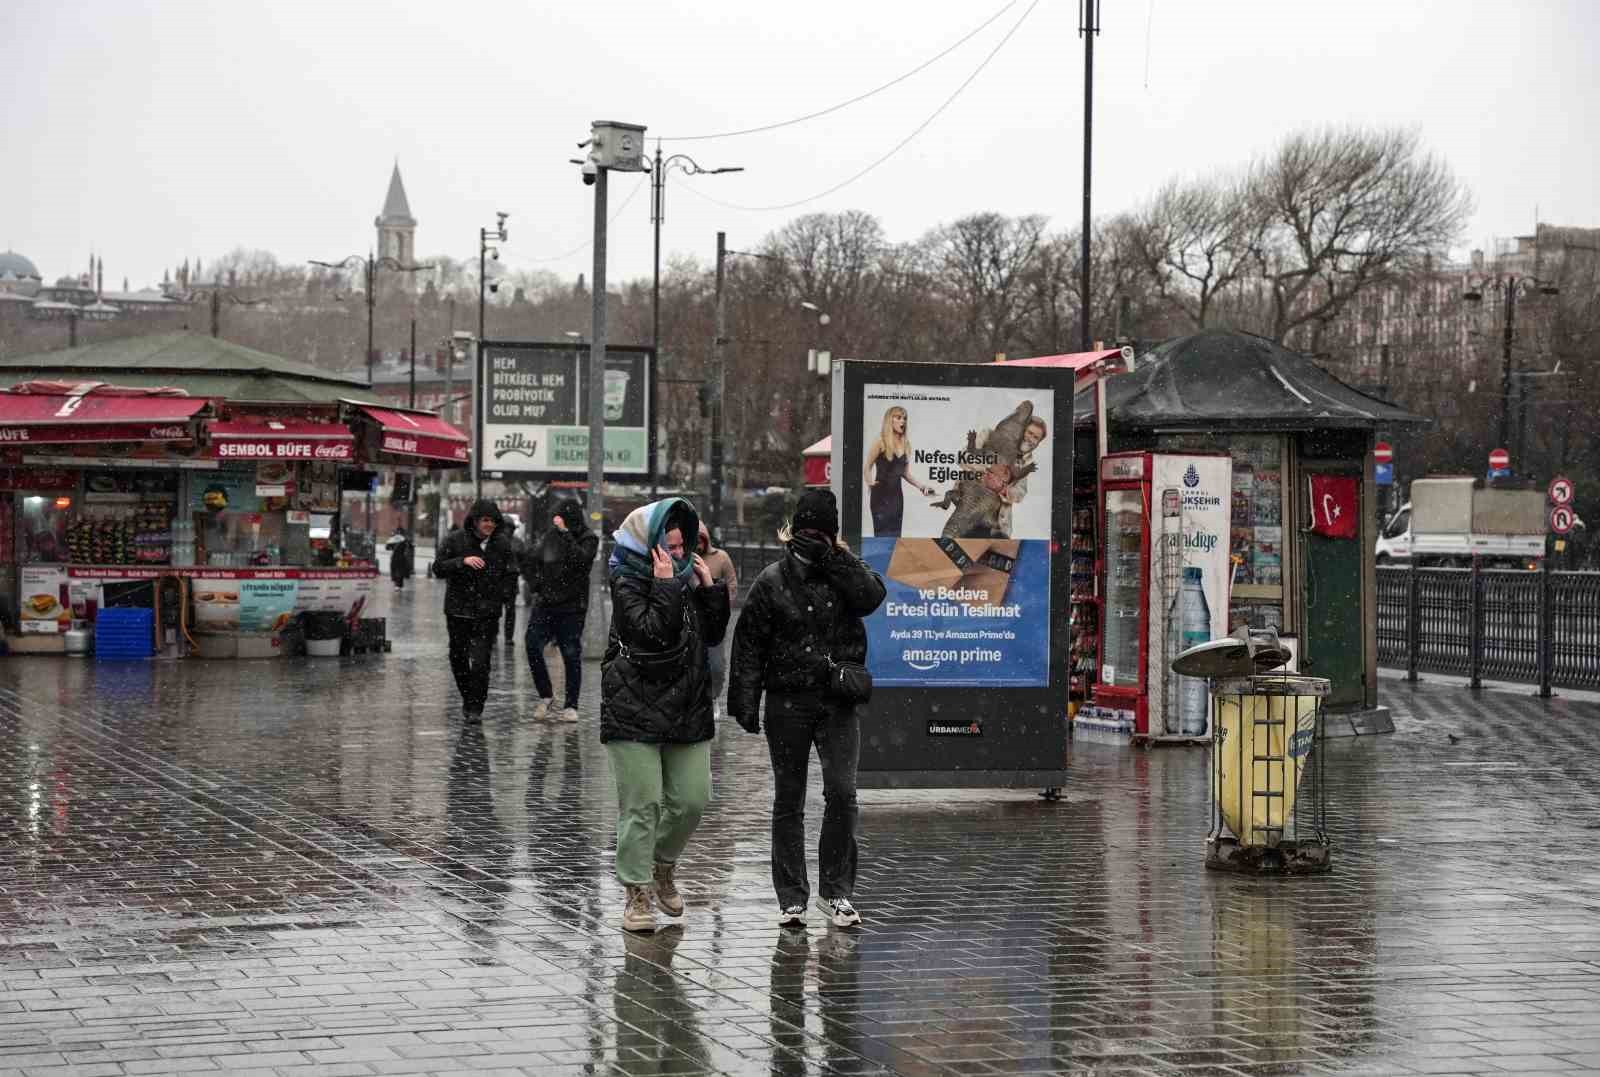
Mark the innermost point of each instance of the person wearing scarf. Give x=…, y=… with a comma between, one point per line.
x=656, y=717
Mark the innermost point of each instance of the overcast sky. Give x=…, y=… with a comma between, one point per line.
x=153, y=130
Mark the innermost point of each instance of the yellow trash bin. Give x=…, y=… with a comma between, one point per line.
x=1266, y=726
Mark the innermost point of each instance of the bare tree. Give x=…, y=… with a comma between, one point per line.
x=1194, y=241
x=982, y=263
x=1342, y=210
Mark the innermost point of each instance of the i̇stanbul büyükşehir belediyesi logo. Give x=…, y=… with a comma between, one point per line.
x=1191, y=478
x=515, y=445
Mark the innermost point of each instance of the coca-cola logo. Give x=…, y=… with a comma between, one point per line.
x=333, y=452
x=157, y=432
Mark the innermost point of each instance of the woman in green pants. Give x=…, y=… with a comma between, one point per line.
x=655, y=700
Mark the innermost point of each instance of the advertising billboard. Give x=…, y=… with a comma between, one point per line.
x=535, y=411
x=955, y=486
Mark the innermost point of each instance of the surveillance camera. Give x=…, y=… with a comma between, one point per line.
x=495, y=254
x=590, y=170
x=494, y=286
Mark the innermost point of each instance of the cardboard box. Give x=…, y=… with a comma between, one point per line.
x=982, y=566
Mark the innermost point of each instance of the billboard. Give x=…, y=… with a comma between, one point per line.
x=955, y=486
x=956, y=519
x=535, y=410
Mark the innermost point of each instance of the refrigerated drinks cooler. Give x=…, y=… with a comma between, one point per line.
x=1165, y=518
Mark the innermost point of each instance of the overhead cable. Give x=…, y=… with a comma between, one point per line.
x=854, y=100
x=896, y=148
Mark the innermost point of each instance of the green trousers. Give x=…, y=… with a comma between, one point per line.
x=662, y=790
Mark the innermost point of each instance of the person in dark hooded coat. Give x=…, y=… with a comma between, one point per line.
x=655, y=699
x=557, y=568
x=475, y=560
x=804, y=614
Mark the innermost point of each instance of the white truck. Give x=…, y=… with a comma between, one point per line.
x=1450, y=521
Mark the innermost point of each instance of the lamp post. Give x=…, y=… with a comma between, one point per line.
x=487, y=240
x=658, y=212
x=617, y=147
x=1512, y=286
x=370, y=266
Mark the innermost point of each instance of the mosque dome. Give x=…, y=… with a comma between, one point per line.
x=15, y=265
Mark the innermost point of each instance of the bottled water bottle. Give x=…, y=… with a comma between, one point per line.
x=1193, y=618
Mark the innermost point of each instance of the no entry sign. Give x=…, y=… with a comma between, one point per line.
x=1561, y=490
x=1382, y=453
x=1561, y=519
x=1499, y=459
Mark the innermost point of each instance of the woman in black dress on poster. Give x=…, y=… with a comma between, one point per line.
x=891, y=452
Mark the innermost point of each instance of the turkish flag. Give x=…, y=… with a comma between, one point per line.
x=1335, y=506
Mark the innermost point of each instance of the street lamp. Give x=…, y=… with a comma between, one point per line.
x=1513, y=286
x=658, y=212
x=612, y=147
x=370, y=267
x=487, y=238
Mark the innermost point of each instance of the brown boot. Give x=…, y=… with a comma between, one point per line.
x=667, y=895
x=638, y=914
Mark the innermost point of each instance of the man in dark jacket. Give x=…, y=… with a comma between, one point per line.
x=557, y=567
x=803, y=615
x=475, y=560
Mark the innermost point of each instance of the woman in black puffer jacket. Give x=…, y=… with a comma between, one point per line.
x=655, y=699
x=804, y=614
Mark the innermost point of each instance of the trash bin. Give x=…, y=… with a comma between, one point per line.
x=1268, y=793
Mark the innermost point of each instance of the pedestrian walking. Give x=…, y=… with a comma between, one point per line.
x=556, y=566
x=475, y=561
x=655, y=699
x=801, y=641
x=513, y=583
x=722, y=571
x=402, y=553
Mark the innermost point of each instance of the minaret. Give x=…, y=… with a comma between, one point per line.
x=397, y=228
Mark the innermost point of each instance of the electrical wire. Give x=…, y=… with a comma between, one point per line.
x=854, y=100
x=896, y=148
x=626, y=202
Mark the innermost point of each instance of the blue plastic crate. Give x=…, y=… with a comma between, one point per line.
x=124, y=633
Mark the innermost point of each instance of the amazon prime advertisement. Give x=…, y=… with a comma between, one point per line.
x=957, y=481
x=535, y=407
x=956, y=519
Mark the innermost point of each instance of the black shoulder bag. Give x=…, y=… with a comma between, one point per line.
x=849, y=682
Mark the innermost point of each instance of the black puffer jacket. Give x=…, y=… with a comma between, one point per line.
x=557, y=565
x=476, y=592
x=795, y=619
x=647, y=615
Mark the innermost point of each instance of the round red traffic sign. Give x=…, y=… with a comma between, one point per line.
x=1499, y=458
x=1382, y=453
x=1561, y=519
x=1561, y=490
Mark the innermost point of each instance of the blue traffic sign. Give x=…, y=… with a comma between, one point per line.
x=1383, y=474
x=1499, y=473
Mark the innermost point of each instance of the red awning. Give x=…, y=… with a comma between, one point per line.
x=281, y=439
x=42, y=419
x=412, y=433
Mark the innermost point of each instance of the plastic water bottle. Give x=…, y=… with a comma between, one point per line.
x=1189, y=623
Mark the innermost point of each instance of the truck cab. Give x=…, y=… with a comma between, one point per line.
x=1394, y=541
x=1457, y=520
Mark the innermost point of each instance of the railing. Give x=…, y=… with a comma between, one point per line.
x=1538, y=627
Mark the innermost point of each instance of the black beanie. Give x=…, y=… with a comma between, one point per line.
x=817, y=511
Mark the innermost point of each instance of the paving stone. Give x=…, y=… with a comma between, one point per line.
x=312, y=867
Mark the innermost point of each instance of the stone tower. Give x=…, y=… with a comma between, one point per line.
x=397, y=228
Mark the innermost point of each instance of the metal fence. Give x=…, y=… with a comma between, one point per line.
x=1538, y=627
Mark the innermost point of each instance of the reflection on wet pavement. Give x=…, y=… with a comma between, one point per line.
x=311, y=866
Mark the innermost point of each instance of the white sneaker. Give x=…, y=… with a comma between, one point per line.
x=569, y=714
x=839, y=911
x=541, y=709
x=793, y=916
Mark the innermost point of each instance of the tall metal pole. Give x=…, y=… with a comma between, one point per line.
x=594, y=626
x=477, y=367
x=1506, y=362
x=411, y=505
x=657, y=205
x=719, y=382
x=216, y=313
x=1089, y=26
x=443, y=527
x=372, y=299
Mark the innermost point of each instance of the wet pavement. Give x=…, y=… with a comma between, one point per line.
x=310, y=867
